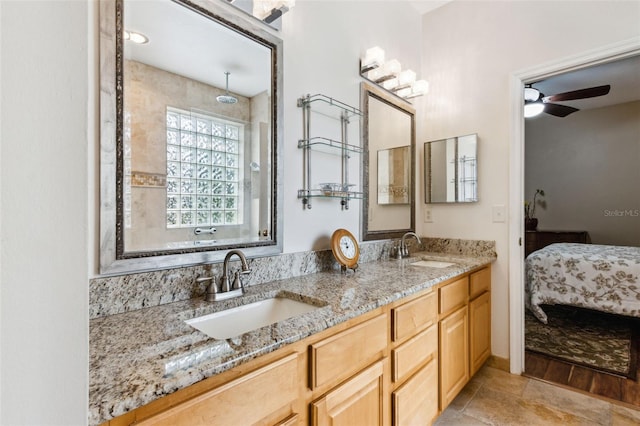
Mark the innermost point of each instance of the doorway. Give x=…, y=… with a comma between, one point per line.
x=516, y=172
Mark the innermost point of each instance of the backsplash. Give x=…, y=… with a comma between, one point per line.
x=115, y=295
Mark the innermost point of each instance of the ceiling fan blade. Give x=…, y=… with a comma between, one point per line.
x=591, y=92
x=559, y=110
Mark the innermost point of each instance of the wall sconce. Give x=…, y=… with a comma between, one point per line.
x=270, y=10
x=390, y=76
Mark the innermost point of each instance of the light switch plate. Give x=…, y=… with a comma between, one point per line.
x=498, y=213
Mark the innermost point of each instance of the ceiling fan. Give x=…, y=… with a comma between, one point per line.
x=536, y=102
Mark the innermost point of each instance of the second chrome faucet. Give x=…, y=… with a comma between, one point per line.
x=402, y=250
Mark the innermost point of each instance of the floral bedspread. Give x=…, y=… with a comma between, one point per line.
x=605, y=278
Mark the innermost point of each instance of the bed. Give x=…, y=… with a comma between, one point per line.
x=600, y=277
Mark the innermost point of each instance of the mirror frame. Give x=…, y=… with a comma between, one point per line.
x=427, y=171
x=113, y=259
x=368, y=90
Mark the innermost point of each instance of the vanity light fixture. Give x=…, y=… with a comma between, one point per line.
x=270, y=10
x=390, y=76
x=390, y=84
x=389, y=70
x=406, y=78
x=418, y=88
x=373, y=58
x=136, y=37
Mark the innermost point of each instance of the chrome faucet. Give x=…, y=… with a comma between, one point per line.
x=226, y=291
x=403, y=251
x=237, y=283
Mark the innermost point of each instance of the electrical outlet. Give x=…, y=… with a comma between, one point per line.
x=427, y=215
x=498, y=213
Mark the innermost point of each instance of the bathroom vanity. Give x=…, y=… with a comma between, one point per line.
x=373, y=350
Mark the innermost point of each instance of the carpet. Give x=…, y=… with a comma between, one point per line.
x=593, y=339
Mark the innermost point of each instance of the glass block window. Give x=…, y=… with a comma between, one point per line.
x=204, y=158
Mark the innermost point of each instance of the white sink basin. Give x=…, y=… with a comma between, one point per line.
x=242, y=319
x=432, y=263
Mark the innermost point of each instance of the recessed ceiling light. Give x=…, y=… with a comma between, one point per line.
x=135, y=37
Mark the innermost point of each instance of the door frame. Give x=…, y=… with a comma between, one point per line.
x=517, y=80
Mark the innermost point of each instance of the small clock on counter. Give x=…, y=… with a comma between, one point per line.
x=345, y=249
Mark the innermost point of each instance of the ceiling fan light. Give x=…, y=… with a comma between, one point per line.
x=531, y=94
x=531, y=109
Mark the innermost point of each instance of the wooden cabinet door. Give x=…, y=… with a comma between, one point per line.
x=359, y=401
x=454, y=355
x=479, y=331
x=415, y=403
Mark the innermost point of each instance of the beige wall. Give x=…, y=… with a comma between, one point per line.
x=47, y=136
x=470, y=50
x=589, y=167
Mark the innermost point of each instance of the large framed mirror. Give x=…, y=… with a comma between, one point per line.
x=389, y=164
x=191, y=129
x=451, y=170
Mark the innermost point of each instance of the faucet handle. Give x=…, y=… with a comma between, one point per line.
x=237, y=282
x=212, y=288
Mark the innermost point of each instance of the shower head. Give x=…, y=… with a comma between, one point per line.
x=227, y=98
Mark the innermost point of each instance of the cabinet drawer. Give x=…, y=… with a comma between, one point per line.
x=479, y=282
x=411, y=354
x=453, y=295
x=247, y=400
x=347, y=352
x=416, y=402
x=414, y=316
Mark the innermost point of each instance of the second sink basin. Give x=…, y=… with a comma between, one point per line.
x=432, y=263
x=242, y=319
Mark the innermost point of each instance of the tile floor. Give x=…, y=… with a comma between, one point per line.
x=495, y=397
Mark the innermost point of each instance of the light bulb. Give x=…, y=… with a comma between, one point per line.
x=532, y=109
x=373, y=56
x=406, y=77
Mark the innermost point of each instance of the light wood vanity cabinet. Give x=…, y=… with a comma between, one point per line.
x=400, y=364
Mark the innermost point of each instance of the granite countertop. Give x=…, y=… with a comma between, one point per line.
x=139, y=356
